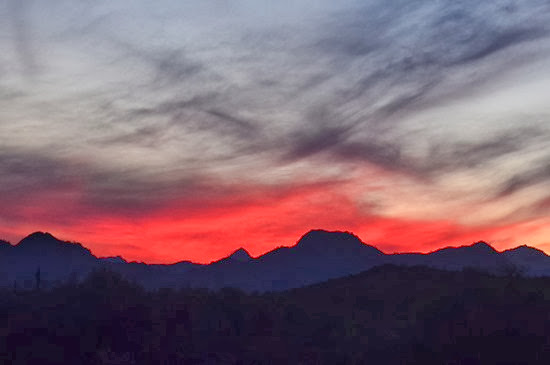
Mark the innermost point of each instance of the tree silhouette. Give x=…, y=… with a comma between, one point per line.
x=390, y=315
x=37, y=278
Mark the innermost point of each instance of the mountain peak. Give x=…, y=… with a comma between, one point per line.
x=114, y=259
x=331, y=242
x=525, y=250
x=477, y=248
x=241, y=255
x=44, y=242
x=38, y=238
x=482, y=246
x=319, y=235
x=41, y=235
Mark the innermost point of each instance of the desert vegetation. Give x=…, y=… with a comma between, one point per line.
x=389, y=314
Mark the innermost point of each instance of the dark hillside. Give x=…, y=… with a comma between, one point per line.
x=387, y=315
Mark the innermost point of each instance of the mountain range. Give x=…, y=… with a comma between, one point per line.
x=317, y=256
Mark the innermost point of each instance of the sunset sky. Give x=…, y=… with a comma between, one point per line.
x=182, y=130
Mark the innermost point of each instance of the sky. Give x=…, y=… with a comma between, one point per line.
x=182, y=130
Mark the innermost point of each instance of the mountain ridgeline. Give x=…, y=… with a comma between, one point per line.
x=42, y=260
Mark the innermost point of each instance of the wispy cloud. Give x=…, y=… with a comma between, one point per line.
x=131, y=105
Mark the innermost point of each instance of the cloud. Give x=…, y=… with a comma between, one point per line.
x=23, y=170
x=31, y=178
x=422, y=34
x=418, y=46
x=538, y=175
x=80, y=191
x=454, y=155
x=399, y=58
x=170, y=66
x=19, y=14
x=139, y=105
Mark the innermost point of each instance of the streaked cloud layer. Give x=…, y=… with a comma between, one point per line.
x=169, y=130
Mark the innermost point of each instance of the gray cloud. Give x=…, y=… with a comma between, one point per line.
x=418, y=44
x=454, y=155
x=150, y=136
x=335, y=144
x=170, y=66
x=22, y=171
x=31, y=179
x=340, y=86
x=167, y=121
x=539, y=174
x=19, y=14
x=243, y=126
x=319, y=135
x=423, y=34
x=404, y=52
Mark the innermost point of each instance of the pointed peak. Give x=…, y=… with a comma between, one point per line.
x=240, y=255
x=482, y=245
x=114, y=259
x=477, y=247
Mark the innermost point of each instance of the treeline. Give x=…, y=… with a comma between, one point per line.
x=387, y=315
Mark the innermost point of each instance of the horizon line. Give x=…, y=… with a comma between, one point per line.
x=276, y=248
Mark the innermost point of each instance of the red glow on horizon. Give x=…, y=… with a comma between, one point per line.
x=261, y=223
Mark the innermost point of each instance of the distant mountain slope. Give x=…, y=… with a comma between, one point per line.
x=114, y=259
x=529, y=260
x=241, y=255
x=479, y=255
x=55, y=259
x=42, y=245
x=316, y=257
x=4, y=245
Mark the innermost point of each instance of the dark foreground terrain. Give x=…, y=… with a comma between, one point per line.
x=387, y=315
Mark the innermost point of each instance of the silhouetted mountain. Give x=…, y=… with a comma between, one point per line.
x=114, y=260
x=478, y=255
x=39, y=239
x=59, y=261
x=152, y=276
x=525, y=252
x=5, y=245
x=43, y=243
x=241, y=255
x=318, y=254
x=55, y=259
x=325, y=243
x=529, y=260
x=475, y=250
x=316, y=257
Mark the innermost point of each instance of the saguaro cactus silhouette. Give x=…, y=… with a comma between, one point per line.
x=37, y=278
